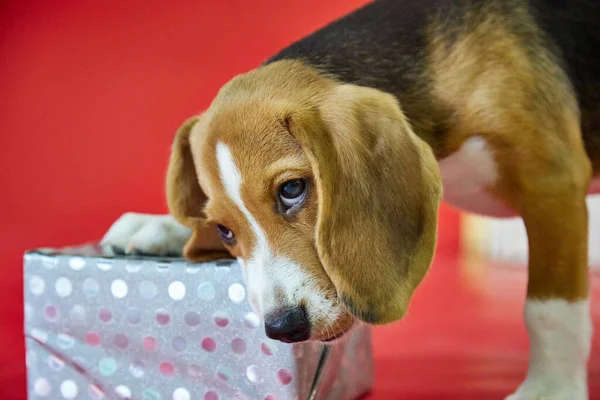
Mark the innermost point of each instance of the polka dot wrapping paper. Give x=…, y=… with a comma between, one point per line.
x=102, y=326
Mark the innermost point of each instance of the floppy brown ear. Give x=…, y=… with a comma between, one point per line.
x=379, y=190
x=186, y=200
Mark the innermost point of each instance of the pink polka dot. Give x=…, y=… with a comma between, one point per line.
x=93, y=339
x=285, y=377
x=149, y=343
x=51, y=313
x=104, y=315
x=221, y=319
x=266, y=349
x=167, y=369
x=121, y=341
x=238, y=346
x=270, y=397
x=209, y=344
x=162, y=317
x=211, y=396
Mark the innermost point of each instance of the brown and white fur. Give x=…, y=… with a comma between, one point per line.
x=495, y=101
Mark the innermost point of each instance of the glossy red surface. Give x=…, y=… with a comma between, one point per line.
x=464, y=337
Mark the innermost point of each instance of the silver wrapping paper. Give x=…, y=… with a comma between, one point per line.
x=101, y=326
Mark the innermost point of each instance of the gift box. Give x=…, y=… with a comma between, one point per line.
x=104, y=326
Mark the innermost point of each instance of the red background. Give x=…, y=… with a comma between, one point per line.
x=91, y=93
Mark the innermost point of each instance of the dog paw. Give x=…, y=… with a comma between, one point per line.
x=551, y=389
x=146, y=234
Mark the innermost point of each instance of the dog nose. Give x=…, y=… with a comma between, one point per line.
x=288, y=325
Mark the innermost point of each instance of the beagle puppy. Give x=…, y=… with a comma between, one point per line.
x=322, y=170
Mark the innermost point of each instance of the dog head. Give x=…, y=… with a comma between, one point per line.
x=320, y=189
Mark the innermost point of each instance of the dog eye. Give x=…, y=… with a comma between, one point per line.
x=291, y=193
x=225, y=233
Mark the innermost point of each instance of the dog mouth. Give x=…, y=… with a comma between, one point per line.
x=343, y=333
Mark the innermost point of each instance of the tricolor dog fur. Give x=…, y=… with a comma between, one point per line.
x=322, y=170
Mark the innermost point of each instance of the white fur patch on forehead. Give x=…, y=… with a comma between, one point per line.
x=230, y=175
x=232, y=182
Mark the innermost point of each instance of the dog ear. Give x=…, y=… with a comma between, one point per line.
x=379, y=191
x=186, y=200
